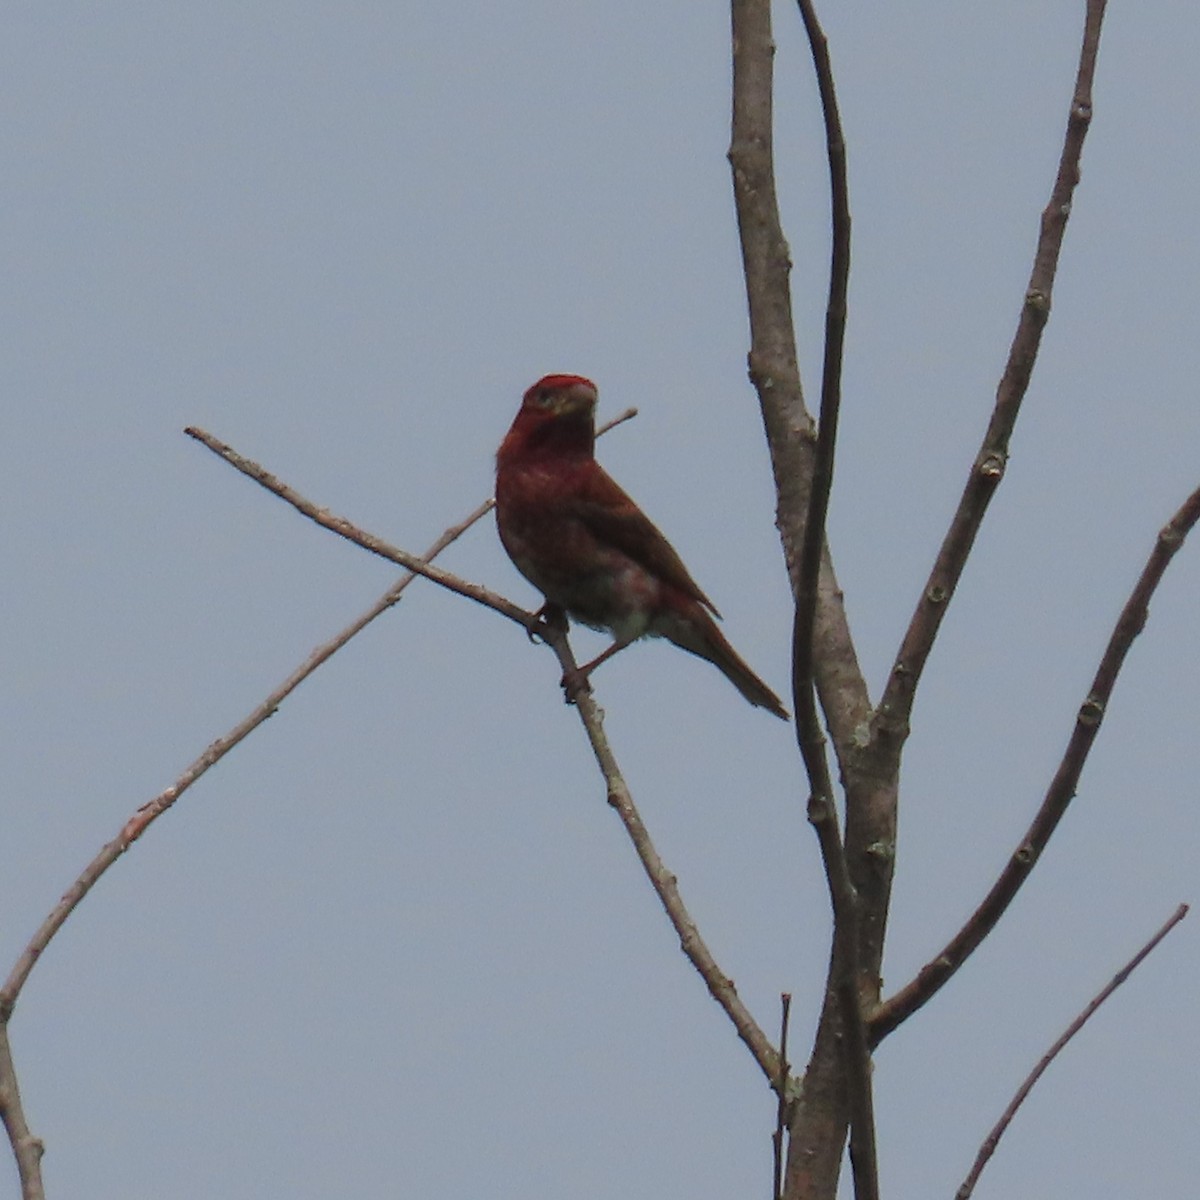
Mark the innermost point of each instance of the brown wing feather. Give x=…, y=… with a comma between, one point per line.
x=611, y=516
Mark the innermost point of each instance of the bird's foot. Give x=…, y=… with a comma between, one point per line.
x=574, y=684
x=550, y=617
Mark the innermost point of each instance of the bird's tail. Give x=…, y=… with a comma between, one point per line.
x=701, y=635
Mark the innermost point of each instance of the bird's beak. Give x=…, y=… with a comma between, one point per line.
x=576, y=399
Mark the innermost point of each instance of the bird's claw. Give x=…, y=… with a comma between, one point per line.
x=574, y=684
x=548, y=617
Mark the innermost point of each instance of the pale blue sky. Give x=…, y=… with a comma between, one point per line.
x=396, y=944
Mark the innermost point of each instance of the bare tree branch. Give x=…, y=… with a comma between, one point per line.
x=152, y=809
x=664, y=883
x=895, y=707
x=772, y=359
x=934, y=974
x=350, y=531
x=992, y=1140
x=822, y=810
x=666, y=886
x=27, y=1150
x=808, y=723
x=619, y=419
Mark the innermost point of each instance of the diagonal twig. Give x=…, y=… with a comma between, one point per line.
x=931, y=978
x=351, y=532
x=26, y=1148
x=136, y=825
x=895, y=707
x=822, y=810
x=992, y=1140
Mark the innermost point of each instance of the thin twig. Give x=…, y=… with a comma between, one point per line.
x=781, y=1090
x=938, y=970
x=844, y=975
x=152, y=809
x=990, y=1142
x=619, y=419
x=27, y=1149
x=895, y=707
x=350, y=531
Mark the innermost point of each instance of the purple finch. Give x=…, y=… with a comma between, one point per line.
x=588, y=548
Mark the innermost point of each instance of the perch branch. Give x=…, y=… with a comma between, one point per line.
x=990, y=1142
x=933, y=976
x=664, y=883
x=350, y=531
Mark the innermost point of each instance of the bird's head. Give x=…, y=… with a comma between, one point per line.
x=557, y=416
x=561, y=396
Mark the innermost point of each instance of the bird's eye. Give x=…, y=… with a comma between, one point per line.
x=544, y=398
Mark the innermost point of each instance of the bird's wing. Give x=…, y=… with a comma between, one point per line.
x=613, y=518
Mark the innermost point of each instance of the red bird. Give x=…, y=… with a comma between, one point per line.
x=581, y=541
